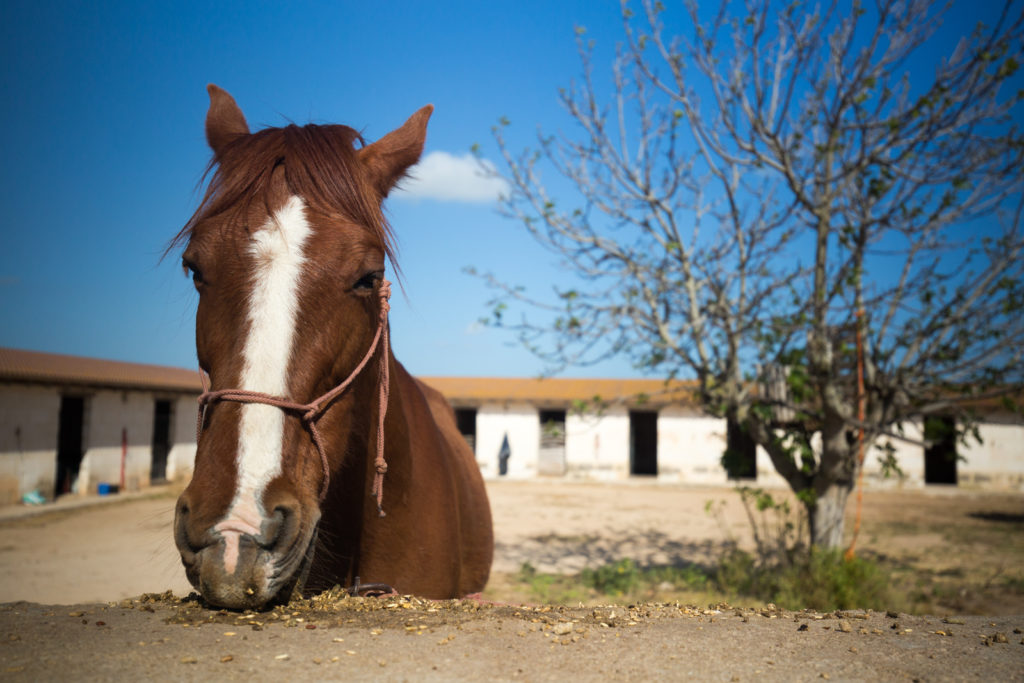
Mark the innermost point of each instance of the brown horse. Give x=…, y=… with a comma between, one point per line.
x=306, y=408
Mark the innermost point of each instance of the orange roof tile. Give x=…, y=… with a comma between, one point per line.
x=48, y=368
x=558, y=391
x=17, y=365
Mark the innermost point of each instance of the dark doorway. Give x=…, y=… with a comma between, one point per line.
x=465, y=420
x=940, y=456
x=740, y=457
x=643, y=443
x=161, y=441
x=552, y=426
x=69, y=442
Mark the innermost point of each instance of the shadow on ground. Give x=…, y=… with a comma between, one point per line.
x=570, y=554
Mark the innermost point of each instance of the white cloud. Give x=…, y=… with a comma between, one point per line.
x=450, y=178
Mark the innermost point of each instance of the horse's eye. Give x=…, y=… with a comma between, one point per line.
x=189, y=267
x=368, y=282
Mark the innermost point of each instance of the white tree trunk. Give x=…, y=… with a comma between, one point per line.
x=826, y=518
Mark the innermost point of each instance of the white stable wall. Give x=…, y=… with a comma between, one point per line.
x=107, y=414
x=29, y=419
x=909, y=457
x=30, y=422
x=997, y=462
x=182, y=456
x=521, y=422
x=597, y=446
x=690, y=447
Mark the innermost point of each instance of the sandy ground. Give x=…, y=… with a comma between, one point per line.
x=96, y=642
x=122, y=549
x=64, y=562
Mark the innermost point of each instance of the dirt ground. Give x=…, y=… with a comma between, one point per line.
x=69, y=577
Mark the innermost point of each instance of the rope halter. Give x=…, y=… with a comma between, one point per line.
x=311, y=412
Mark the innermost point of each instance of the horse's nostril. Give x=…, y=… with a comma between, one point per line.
x=272, y=527
x=181, y=513
x=186, y=543
x=280, y=528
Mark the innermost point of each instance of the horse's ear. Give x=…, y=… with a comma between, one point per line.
x=224, y=120
x=389, y=158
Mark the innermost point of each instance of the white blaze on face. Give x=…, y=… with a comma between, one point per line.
x=277, y=253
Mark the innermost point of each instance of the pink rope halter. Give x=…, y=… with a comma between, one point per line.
x=314, y=410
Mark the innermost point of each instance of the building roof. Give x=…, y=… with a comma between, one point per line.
x=36, y=367
x=563, y=392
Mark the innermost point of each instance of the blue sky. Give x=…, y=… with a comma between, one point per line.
x=103, y=124
x=103, y=127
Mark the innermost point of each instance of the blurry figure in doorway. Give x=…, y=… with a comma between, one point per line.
x=504, y=453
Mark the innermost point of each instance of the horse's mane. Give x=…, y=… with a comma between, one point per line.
x=321, y=165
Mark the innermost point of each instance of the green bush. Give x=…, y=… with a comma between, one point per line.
x=821, y=580
x=690, y=577
x=617, y=579
x=785, y=571
x=781, y=570
x=550, y=588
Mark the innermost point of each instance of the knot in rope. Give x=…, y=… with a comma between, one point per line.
x=385, y=299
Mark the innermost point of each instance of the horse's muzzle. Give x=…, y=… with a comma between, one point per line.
x=237, y=566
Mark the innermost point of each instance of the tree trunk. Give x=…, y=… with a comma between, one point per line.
x=826, y=516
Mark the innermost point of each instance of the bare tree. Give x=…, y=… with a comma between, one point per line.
x=759, y=191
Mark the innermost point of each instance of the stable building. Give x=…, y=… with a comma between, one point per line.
x=598, y=429
x=613, y=430
x=82, y=425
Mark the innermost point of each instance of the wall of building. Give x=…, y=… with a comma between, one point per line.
x=690, y=450
x=182, y=456
x=28, y=440
x=108, y=414
x=521, y=423
x=30, y=422
x=690, y=447
x=908, y=456
x=597, y=446
x=996, y=462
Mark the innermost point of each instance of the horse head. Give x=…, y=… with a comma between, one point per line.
x=287, y=252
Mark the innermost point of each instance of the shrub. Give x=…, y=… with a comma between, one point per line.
x=821, y=580
x=616, y=579
x=824, y=580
